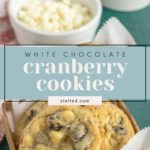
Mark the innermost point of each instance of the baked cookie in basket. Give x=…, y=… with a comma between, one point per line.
x=27, y=117
x=62, y=128
x=113, y=124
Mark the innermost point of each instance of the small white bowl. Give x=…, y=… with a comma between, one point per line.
x=126, y=5
x=84, y=34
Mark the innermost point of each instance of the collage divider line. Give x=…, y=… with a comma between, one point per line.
x=4, y=74
x=145, y=73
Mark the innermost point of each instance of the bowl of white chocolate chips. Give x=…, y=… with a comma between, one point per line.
x=55, y=21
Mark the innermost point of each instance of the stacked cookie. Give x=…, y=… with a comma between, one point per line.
x=114, y=125
x=46, y=127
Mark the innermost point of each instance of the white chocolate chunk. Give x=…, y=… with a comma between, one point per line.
x=54, y=16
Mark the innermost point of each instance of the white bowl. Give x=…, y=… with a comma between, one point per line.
x=84, y=34
x=126, y=5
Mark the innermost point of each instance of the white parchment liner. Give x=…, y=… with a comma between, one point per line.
x=113, y=32
x=141, y=141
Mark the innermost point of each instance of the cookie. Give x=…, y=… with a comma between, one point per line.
x=27, y=117
x=62, y=128
x=113, y=124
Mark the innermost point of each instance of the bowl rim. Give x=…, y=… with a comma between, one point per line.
x=47, y=33
x=126, y=6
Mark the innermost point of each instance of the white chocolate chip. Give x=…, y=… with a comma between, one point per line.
x=54, y=16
